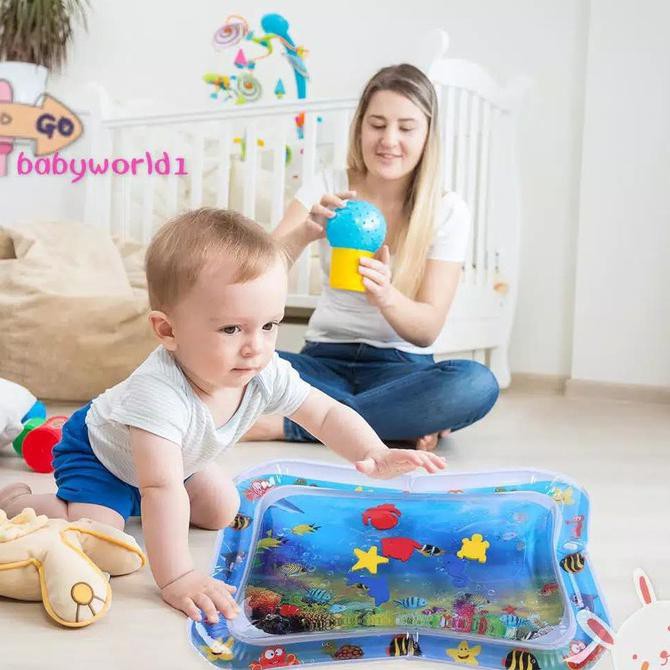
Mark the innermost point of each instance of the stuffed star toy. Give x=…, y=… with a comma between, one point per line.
x=64, y=564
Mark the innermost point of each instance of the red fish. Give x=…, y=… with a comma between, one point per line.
x=257, y=489
x=382, y=517
x=399, y=547
x=548, y=589
x=289, y=610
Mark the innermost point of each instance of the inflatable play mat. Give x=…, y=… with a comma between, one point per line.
x=486, y=569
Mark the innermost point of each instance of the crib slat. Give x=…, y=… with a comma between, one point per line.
x=250, y=161
x=462, y=169
x=482, y=197
x=308, y=170
x=471, y=182
x=309, y=146
x=223, y=170
x=491, y=254
x=196, y=168
x=461, y=141
x=172, y=183
x=341, y=139
x=125, y=190
x=448, y=139
x=278, y=171
x=148, y=184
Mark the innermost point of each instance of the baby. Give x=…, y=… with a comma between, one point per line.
x=217, y=288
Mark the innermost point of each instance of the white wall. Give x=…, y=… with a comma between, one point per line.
x=160, y=49
x=622, y=306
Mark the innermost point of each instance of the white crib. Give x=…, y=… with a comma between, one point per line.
x=478, y=135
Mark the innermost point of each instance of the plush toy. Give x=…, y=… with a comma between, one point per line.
x=17, y=405
x=64, y=564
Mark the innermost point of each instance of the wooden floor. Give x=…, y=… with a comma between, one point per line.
x=619, y=451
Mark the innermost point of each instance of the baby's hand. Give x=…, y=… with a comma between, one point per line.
x=388, y=463
x=194, y=591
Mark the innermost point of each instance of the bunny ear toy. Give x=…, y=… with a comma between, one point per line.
x=643, y=587
x=642, y=638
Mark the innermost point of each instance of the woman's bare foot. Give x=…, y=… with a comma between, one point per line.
x=430, y=442
x=267, y=427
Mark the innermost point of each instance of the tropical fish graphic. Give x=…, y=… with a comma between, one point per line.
x=573, y=562
x=318, y=596
x=404, y=645
x=548, y=589
x=518, y=659
x=412, y=602
x=292, y=569
x=303, y=528
x=430, y=550
x=269, y=542
x=240, y=522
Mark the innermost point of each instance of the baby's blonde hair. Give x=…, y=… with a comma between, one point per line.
x=181, y=248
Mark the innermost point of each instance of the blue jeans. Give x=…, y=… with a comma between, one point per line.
x=402, y=396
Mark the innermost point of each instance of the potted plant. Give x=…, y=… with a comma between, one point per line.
x=34, y=38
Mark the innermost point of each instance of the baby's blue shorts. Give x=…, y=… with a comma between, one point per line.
x=82, y=478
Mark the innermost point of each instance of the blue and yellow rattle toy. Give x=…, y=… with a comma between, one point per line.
x=356, y=231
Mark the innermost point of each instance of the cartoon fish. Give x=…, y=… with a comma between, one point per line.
x=548, y=589
x=382, y=517
x=573, y=562
x=292, y=570
x=257, y=489
x=303, y=528
x=289, y=610
x=404, y=645
x=518, y=659
x=433, y=610
x=352, y=606
x=412, y=602
x=269, y=542
x=240, y=522
x=430, y=550
x=318, y=596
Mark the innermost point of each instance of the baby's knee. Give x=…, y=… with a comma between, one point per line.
x=223, y=505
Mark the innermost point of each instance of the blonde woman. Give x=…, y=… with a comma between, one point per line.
x=373, y=351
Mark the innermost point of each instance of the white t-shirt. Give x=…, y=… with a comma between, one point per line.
x=158, y=398
x=347, y=316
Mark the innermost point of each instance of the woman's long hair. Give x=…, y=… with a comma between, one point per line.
x=423, y=195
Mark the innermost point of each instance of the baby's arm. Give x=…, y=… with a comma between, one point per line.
x=348, y=434
x=165, y=521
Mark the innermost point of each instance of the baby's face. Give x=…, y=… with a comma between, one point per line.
x=226, y=333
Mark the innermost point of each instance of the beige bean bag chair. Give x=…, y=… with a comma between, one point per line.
x=73, y=310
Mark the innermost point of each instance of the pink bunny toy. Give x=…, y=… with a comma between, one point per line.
x=643, y=640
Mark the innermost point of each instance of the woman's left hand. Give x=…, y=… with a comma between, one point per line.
x=377, y=278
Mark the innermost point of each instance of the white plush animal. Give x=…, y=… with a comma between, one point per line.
x=15, y=402
x=643, y=640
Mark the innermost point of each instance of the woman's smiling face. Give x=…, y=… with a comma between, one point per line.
x=393, y=135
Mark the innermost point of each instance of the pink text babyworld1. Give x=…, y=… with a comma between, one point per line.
x=83, y=167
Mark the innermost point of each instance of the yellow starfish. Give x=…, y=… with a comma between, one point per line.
x=368, y=560
x=465, y=654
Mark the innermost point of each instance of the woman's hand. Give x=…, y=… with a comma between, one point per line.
x=377, y=278
x=322, y=211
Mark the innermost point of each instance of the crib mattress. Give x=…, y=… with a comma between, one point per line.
x=483, y=569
